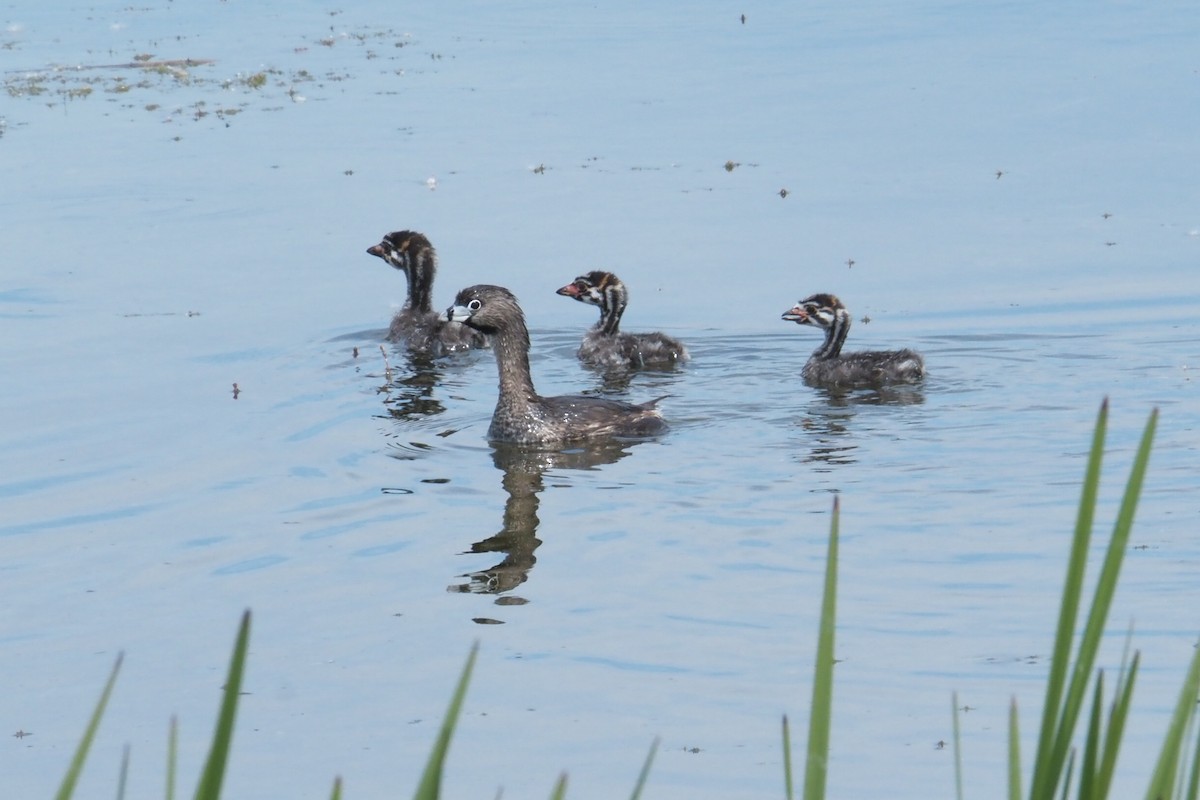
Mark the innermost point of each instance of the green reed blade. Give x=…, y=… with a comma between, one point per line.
x=72, y=777
x=1167, y=770
x=1122, y=702
x=1050, y=753
x=1066, y=784
x=1092, y=744
x=817, y=764
x=1014, y=753
x=1106, y=583
x=1062, y=712
x=430, y=787
x=560, y=788
x=1193, y=787
x=336, y=794
x=788, y=789
x=213, y=774
x=958, y=776
x=123, y=775
x=645, y=773
x=172, y=756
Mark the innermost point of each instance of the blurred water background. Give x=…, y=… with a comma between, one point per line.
x=1013, y=189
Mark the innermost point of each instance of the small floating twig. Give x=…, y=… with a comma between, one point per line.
x=387, y=368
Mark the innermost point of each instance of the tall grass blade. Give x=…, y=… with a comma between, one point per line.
x=1064, y=698
x=958, y=783
x=172, y=756
x=336, y=794
x=645, y=773
x=1168, y=768
x=1014, y=753
x=123, y=775
x=1122, y=700
x=1106, y=583
x=430, y=787
x=788, y=789
x=817, y=764
x=67, y=788
x=213, y=774
x=1050, y=754
x=1193, y=788
x=1066, y=781
x=1092, y=744
x=560, y=788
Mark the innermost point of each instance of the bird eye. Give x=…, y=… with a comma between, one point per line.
x=474, y=305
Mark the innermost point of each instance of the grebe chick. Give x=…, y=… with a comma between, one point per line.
x=828, y=367
x=416, y=324
x=606, y=347
x=522, y=415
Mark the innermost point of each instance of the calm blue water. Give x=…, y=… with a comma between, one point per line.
x=170, y=234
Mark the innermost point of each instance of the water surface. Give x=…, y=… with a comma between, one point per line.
x=1011, y=189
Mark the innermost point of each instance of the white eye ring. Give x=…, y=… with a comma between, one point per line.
x=474, y=305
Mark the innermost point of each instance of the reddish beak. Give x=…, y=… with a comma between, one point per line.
x=376, y=250
x=797, y=314
x=570, y=290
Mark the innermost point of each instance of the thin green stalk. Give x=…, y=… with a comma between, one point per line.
x=1166, y=771
x=336, y=794
x=1106, y=585
x=1122, y=700
x=645, y=773
x=172, y=756
x=560, y=788
x=817, y=763
x=430, y=787
x=1091, y=749
x=1066, y=782
x=123, y=775
x=788, y=789
x=1193, y=789
x=958, y=782
x=1014, y=753
x=213, y=774
x=72, y=777
x=1050, y=753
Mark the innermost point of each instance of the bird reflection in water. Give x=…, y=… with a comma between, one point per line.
x=829, y=427
x=523, y=467
x=880, y=396
x=410, y=391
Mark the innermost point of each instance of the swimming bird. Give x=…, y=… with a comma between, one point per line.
x=416, y=324
x=607, y=347
x=524, y=416
x=828, y=367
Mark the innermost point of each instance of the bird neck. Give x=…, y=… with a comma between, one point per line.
x=835, y=336
x=511, y=346
x=420, y=270
x=612, y=306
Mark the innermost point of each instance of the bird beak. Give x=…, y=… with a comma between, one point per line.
x=797, y=314
x=376, y=250
x=455, y=314
x=570, y=290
